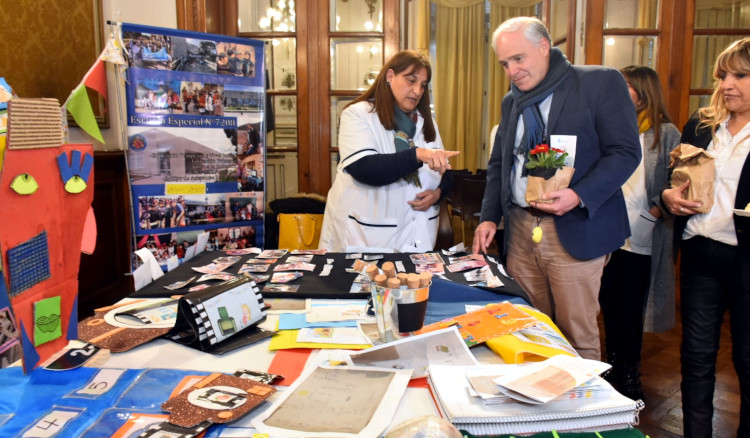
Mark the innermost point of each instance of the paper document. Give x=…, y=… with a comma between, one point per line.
x=336, y=402
x=445, y=347
x=544, y=381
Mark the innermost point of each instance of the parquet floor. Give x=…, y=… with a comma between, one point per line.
x=660, y=368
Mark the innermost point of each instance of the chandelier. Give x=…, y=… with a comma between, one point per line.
x=281, y=18
x=371, y=6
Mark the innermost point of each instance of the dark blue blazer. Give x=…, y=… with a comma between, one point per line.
x=593, y=104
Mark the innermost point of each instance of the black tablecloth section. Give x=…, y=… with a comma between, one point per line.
x=336, y=285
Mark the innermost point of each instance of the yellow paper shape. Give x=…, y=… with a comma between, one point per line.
x=284, y=339
x=514, y=350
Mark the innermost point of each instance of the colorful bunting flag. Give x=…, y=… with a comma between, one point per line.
x=78, y=103
x=79, y=107
x=113, y=49
x=96, y=78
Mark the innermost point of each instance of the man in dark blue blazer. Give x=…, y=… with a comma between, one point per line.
x=587, y=112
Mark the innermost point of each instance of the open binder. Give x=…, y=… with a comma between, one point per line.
x=607, y=410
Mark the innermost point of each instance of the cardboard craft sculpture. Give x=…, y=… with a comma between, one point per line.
x=46, y=222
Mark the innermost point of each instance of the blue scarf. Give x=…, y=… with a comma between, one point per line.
x=528, y=103
x=406, y=127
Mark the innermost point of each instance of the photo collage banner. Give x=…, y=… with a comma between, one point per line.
x=196, y=139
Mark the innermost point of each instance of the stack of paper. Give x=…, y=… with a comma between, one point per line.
x=593, y=407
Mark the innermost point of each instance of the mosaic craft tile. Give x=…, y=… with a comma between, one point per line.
x=28, y=264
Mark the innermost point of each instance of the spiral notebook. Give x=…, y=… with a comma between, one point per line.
x=605, y=410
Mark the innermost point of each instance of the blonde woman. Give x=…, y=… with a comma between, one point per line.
x=715, y=257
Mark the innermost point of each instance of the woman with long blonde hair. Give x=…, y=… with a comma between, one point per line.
x=715, y=244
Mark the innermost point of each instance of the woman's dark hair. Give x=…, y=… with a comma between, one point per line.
x=645, y=82
x=379, y=93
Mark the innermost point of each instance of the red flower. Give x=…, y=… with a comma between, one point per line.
x=540, y=148
x=543, y=156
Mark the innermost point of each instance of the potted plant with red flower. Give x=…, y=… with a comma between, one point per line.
x=547, y=172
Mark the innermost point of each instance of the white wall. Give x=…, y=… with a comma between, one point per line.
x=147, y=12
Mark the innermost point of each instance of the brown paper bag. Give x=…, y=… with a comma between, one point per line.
x=697, y=165
x=539, y=185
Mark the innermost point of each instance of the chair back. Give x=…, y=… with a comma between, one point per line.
x=473, y=193
x=445, y=227
x=457, y=194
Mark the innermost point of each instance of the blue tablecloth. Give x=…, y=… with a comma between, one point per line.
x=449, y=299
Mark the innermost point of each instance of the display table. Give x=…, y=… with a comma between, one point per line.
x=312, y=285
x=447, y=298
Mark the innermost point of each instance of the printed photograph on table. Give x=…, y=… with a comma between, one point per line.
x=10, y=343
x=231, y=311
x=272, y=287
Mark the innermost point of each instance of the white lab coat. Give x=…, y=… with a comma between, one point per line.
x=361, y=217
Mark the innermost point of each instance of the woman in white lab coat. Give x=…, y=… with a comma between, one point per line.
x=392, y=171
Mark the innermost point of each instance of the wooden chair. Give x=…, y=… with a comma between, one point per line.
x=468, y=192
x=472, y=201
x=457, y=173
x=445, y=227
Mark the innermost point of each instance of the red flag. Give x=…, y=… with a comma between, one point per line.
x=96, y=78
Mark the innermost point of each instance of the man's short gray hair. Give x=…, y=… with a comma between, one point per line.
x=533, y=30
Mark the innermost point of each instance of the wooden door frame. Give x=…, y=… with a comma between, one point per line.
x=674, y=49
x=313, y=76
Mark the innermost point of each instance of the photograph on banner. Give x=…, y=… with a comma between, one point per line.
x=194, y=55
x=148, y=50
x=241, y=99
x=247, y=236
x=202, y=99
x=245, y=206
x=249, y=140
x=167, y=245
x=178, y=211
x=155, y=212
x=192, y=100
x=235, y=59
x=250, y=175
x=186, y=155
x=196, y=135
x=157, y=96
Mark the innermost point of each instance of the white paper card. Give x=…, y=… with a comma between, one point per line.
x=172, y=263
x=142, y=277
x=201, y=243
x=102, y=382
x=566, y=143
x=150, y=261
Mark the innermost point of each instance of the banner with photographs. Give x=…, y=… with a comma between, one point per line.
x=196, y=139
